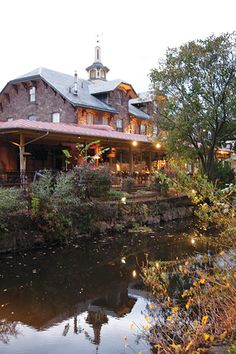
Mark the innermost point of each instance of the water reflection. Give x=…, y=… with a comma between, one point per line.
x=83, y=296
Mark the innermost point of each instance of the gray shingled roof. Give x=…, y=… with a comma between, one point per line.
x=96, y=87
x=61, y=83
x=134, y=111
x=146, y=96
x=97, y=65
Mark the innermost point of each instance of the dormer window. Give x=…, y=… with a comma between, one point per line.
x=56, y=117
x=119, y=125
x=32, y=94
x=89, y=119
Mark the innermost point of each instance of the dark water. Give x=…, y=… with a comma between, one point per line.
x=82, y=299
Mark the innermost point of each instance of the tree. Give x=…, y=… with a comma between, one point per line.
x=195, y=90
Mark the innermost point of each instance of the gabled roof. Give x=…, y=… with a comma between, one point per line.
x=143, y=97
x=100, y=86
x=134, y=111
x=71, y=129
x=61, y=83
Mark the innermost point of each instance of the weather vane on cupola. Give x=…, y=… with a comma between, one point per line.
x=97, y=71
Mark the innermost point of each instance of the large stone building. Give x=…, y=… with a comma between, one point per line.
x=44, y=111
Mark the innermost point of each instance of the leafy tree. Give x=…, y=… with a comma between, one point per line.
x=195, y=89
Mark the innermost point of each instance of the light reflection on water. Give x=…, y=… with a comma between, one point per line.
x=81, y=299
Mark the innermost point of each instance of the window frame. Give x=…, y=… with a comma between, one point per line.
x=58, y=115
x=32, y=94
x=88, y=117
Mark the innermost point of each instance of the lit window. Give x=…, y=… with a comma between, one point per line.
x=155, y=131
x=142, y=129
x=105, y=120
x=119, y=125
x=33, y=118
x=56, y=117
x=32, y=94
x=89, y=119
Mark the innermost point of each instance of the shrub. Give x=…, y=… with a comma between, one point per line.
x=160, y=182
x=223, y=174
x=128, y=184
x=92, y=181
x=11, y=199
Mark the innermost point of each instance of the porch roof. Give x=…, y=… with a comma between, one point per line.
x=96, y=131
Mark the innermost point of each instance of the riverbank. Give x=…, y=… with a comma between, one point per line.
x=26, y=229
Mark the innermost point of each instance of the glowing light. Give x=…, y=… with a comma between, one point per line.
x=123, y=260
x=123, y=200
x=157, y=265
x=117, y=167
x=193, y=191
x=158, y=145
x=134, y=274
x=193, y=241
x=134, y=143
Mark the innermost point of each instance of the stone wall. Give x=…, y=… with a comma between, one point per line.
x=26, y=231
x=18, y=106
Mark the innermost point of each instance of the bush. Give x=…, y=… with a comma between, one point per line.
x=128, y=184
x=11, y=199
x=92, y=181
x=160, y=182
x=223, y=174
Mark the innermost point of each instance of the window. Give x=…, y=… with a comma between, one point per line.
x=33, y=118
x=105, y=121
x=143, y=129
x=89, y=119
x=154, y=131
x=120, y=97
x=56, y=117
x=93, y=74
x=119, y=125
x=32, y=94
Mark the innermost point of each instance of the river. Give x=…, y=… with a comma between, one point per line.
x=83, y=297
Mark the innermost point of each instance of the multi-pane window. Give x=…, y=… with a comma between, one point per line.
x=105, y=121
x=119, y=125
x=143, y=129
x=56, y=117
x=32, y=94
x=89, y=119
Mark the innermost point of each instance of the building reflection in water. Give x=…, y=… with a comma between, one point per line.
x=69, y=282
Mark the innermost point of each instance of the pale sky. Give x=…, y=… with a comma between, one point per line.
x=61, y=34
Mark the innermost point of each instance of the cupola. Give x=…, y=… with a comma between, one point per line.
x=97, y=71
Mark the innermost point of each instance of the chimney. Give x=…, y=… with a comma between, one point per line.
x=75, y=83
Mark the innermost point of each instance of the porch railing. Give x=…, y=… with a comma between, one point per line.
x=17, y=178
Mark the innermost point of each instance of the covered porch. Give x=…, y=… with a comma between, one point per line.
x=27, y=147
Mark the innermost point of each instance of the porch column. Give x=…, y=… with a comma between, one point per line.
x=131, y=161
x=150, y=160
x=22, y=159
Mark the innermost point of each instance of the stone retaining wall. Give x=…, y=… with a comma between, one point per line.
x=26, y=231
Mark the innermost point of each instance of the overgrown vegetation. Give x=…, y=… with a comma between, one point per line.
x=195, y=299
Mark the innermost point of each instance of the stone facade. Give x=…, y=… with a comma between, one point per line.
x=16, y=104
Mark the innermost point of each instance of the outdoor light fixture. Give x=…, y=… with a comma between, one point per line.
x=158, y=145
x=123, y=200
x=123, y=260
x=192, y=241
x=134, y=143
x=134, y=273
